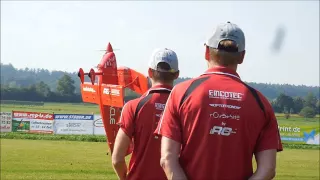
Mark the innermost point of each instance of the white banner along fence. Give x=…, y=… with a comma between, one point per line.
x=38, y=122
x=91, y=124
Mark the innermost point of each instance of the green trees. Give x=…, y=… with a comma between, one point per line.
x=23, y=78
x=311, y=101
x=307, y=112
x=311, y=106
x=307, y=107
x=298, y=104
x=65, y=92
x=43, y=89
x=283, y=104
x=31, y=84
x=65, y=86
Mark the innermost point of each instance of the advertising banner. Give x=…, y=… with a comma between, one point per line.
x=32, y=122
x=6, y=122
x=302, y=134
x=98, y=128
x=73, y=124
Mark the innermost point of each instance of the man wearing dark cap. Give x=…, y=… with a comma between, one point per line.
x=213, y=124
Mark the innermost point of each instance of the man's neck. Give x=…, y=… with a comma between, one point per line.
x=213, y=64
x=158, y=83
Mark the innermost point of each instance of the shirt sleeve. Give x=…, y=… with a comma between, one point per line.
x=269, y=136
x=126, y=119
x=170, y=123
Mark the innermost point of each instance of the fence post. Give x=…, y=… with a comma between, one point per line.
x=93, y=123
x=53, y=124
x=11, y=121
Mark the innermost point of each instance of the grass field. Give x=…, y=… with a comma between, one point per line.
x=72, y=108
x=61, y=159
x=41, y=159
x=91, y=108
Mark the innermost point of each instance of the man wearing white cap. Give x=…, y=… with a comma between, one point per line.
x=213, y=124
x=139, y=119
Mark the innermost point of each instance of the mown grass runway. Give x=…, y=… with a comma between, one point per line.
x=39, y=159
x=23, y=158
x=43, y=159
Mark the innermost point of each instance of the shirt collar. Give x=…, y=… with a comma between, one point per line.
x=161, y=86
x=222, y=70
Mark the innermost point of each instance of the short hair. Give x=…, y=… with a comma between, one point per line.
x=163, y=77
x=226, y=54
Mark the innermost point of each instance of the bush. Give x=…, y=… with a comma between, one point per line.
x=308, y=112
x=287, y=116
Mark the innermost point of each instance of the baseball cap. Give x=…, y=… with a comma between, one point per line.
x=227, y=31
x=164, y=55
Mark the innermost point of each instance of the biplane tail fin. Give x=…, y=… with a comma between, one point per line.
x=132, y=79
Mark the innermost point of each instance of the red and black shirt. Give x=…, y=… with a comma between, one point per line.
x=220, y=122
x=138, y=120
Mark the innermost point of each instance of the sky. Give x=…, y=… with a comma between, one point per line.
x=65, y=36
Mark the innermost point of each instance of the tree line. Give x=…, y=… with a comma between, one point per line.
x=65, y=91
x=307, y=107
x=24, y=78
x=57, y=86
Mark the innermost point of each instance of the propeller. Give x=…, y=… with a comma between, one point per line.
x=107, y=51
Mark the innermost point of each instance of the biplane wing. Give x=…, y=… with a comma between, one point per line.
x=112, y=95
x=89, y=93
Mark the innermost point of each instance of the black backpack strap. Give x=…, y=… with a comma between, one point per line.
x=145, y=99
x=191, y=88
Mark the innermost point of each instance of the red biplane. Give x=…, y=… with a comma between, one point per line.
x=109, y=90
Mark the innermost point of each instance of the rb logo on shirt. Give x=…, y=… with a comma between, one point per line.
x=224, y=131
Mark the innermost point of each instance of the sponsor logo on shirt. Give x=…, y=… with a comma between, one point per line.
x=217, y=115
x=225, y=95
x=221, y=131
x=159, y=106
x=225, y=106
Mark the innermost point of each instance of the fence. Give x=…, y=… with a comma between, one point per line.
x=91, y=124
x=37, y=122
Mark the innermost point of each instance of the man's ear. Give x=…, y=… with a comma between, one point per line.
x=242, y=54
x=207, y=53
x=176, y=75
x=150, y=73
